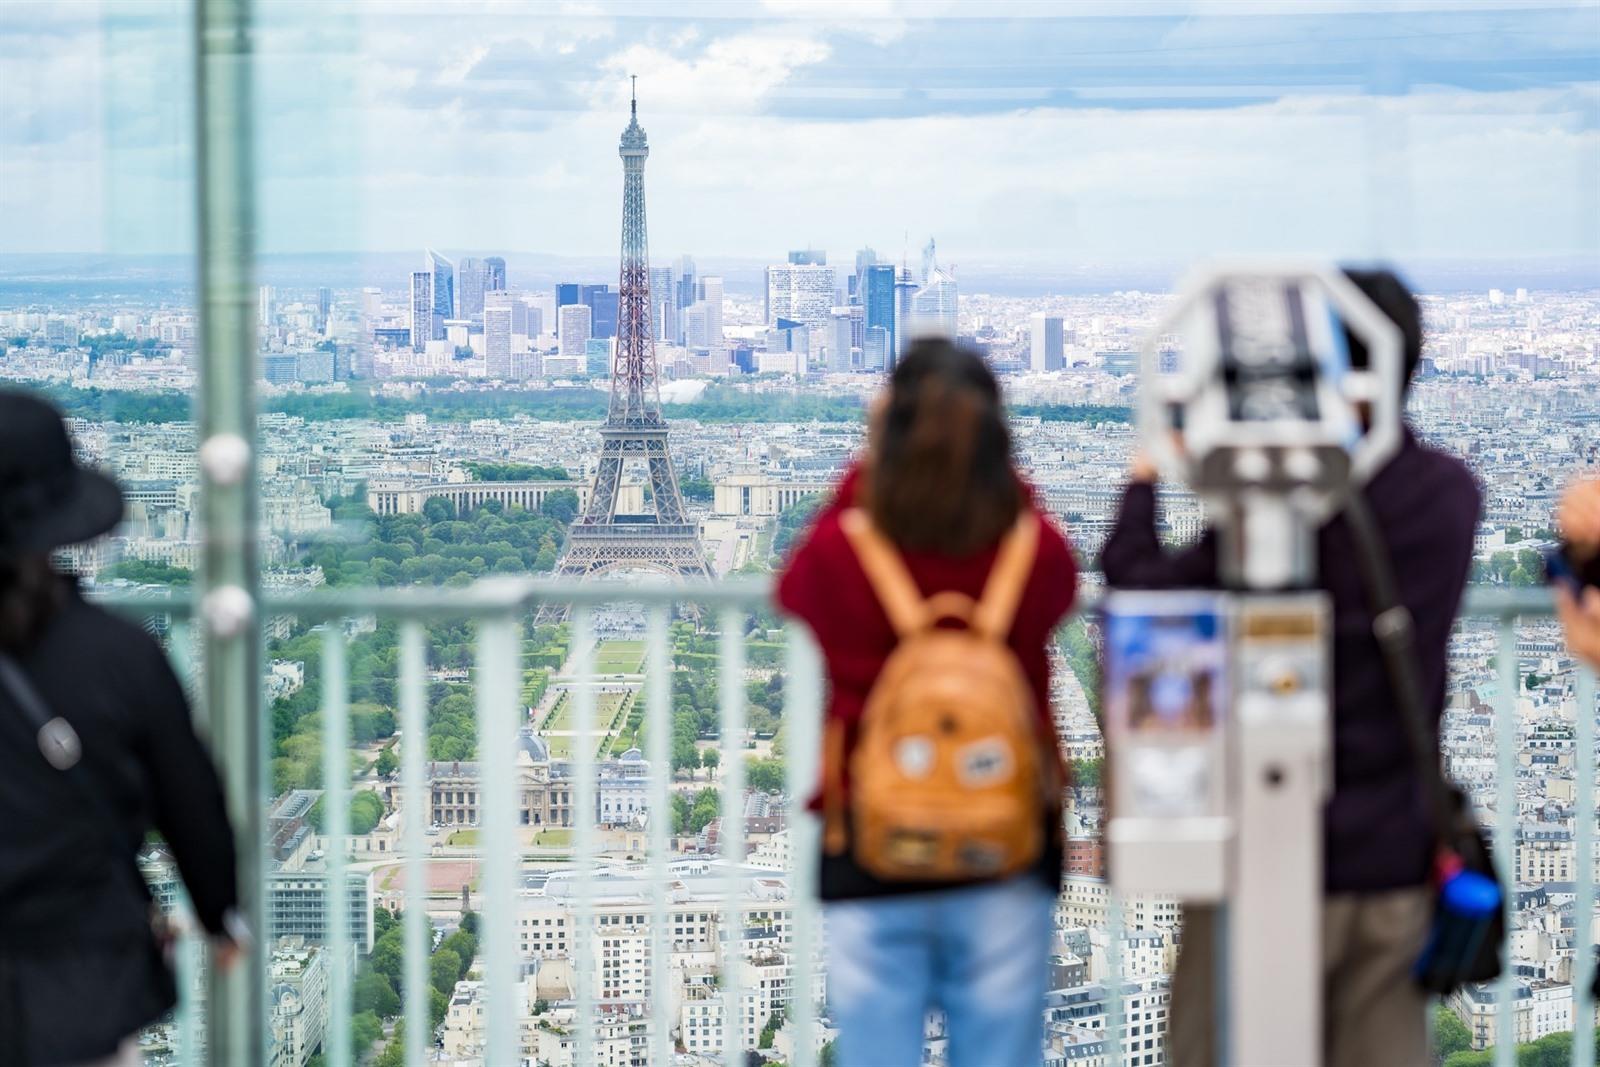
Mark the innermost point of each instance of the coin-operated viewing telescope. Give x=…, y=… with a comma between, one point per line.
x=1217, y=703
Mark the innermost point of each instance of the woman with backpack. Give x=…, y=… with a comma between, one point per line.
x=933, y=585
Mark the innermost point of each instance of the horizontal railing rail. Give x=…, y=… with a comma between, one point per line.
x=498, y=606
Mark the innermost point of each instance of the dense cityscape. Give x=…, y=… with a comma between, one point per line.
x=446, y=428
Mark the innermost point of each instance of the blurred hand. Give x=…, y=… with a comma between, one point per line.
x=1579, y=515
x=1143, y=468
x=1581, y=621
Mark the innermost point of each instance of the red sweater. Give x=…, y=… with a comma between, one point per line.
x=824, y=585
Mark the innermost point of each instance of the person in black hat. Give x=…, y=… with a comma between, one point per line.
x=97, y=748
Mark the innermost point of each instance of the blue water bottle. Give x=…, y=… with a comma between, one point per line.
x=1467, y=906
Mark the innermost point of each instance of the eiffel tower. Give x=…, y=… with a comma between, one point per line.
x=602, y=540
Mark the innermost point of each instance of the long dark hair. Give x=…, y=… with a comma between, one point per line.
x=30, y=596
x=939, y=473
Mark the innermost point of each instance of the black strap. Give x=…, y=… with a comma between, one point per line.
x=1395, y=631
x=60, y=746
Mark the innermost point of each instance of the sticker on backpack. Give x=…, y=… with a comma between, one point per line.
x=914, y=756
x=984, y=763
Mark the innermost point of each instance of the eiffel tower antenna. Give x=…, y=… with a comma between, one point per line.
x=666, y=539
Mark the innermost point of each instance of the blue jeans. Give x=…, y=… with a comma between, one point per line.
x=980, y=953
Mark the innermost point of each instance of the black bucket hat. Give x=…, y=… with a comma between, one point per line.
x=46, y=499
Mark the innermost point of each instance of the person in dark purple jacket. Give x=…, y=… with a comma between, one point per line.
x=1377, y=843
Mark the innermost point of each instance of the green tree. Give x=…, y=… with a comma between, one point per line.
x=365, y=1028
x=469, y=922
x=388, y=763
x=1470, y=1059
x=465, y=946
x=1450, y=1034
x=1088, y=773
x=394, y=1053
x=445, y=969
x=561, y=505
x=697, y=488
x=764, y=775
x=366, y=811
x=388, y=957
x=707, y=806
x=710, y=759
x=829, y=1056
x=373, y=993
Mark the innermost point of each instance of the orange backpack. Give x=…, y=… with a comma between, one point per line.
x=951, y=773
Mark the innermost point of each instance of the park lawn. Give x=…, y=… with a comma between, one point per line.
x=557, y=838
x=463, y=838
x=619, y=657
x=608, y=711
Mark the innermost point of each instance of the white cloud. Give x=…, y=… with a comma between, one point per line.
x=735, y=72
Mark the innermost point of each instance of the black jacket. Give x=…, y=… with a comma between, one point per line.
x=79, y=965
x=1425, y=504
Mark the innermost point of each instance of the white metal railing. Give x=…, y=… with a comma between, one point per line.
x=499, y=605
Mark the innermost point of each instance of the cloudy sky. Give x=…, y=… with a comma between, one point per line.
x=1013, y=132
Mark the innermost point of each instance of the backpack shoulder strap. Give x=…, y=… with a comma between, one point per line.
x=1013, y=564
x=891, y=582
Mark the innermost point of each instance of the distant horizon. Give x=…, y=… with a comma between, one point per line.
x=39, y=272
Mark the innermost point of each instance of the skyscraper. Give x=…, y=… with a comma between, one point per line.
x=324, y=308
x=876, y=291
x=934, y=305
x=574, y=329
x=857, y=284
x=840, y=336
x=809, y=257
x=877, y=350
x=472, y=278
x=800, y=292
x=686, y=276
x=515, y=302
x=444, y=290
x=422, y=316
x=664, y=304
x=497, y=341
x=266, y=307
x=1047, y=348
x=904, y=289
x=568, y=293
x=711, y=293
x=601, y=301
x=495, y=274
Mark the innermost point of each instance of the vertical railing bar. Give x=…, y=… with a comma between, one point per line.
x=1505, y=843
x=336, y=830
x=499, y=689
x=186, y=1017
x=802, y=720
x=658, y=739
x=180, y=653
x=228, y=579
x=583, y=816
x=1114, y=938
x=1583, y=843
x=414, y=797
x=730, y=738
